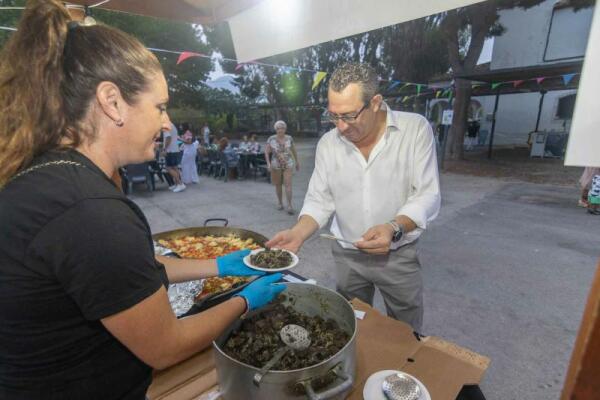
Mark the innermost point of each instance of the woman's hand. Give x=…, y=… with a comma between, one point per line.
x=262, y=291
x=232, y=264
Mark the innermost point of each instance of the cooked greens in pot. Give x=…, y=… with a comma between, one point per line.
x=271, y=259
x=257, y=339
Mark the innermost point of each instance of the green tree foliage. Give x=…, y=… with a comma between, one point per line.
x=9, y=18
x=413, y=51
x=186, y=79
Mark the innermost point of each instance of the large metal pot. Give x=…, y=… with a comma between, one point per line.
x=330, y=379
x=212, y=230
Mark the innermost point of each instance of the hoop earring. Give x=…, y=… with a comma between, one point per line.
x=119, y=123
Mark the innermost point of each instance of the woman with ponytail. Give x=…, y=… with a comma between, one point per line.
x=83, y=304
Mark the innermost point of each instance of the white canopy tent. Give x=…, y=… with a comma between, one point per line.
x=280, y=26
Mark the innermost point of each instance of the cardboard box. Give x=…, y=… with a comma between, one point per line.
x=382, y=343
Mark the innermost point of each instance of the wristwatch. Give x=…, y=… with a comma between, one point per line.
x=398, y=231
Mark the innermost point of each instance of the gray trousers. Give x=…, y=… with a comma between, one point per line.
x=397, y=275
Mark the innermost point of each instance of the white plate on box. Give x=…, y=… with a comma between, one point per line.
x=373, y=387
x=250, y=265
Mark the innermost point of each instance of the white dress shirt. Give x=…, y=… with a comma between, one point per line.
x=399, y=178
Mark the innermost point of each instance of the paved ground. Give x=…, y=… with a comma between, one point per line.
x=507, y=265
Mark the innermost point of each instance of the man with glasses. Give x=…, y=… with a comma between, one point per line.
x=376, y=172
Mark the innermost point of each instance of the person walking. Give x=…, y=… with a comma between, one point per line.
x=376, y=172
x=282, y=159
x=171, y=149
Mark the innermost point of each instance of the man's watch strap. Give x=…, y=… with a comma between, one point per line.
x=398, y=231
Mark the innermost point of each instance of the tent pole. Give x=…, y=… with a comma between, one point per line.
x=493, y=123
x=537, y=122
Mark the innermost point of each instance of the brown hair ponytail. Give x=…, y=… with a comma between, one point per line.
x=31, y=117
x=49, y=72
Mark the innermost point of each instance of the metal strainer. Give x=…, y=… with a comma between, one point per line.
x=295, y=337
x=399, y=386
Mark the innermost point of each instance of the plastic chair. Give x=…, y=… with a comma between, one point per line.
x=138, y=173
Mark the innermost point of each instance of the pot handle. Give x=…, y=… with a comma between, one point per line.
x=224, y=220
x=345, y=385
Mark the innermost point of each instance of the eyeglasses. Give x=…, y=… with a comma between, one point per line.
x=347, y=118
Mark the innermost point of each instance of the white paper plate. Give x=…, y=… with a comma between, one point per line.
x=250, y=265
x=373, y=390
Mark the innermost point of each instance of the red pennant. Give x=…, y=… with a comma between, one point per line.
x=237, y=67
x=187, y=54
x=540, y=79
x=517, y=83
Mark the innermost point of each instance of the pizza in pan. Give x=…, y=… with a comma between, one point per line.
x=217, y=284
x=210, y=247
x=207, y=247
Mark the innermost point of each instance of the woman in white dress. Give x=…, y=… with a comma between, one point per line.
x=190, y=149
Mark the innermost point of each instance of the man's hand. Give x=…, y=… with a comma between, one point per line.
x=376, y=240
x=288, y=240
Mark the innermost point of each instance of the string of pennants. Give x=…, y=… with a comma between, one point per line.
x=448, y=91
x=421, y=88
x=185, y=55
x=320, y=75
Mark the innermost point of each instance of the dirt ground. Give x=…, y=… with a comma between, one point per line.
x=514, y=164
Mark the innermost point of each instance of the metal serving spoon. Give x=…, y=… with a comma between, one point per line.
x=295, y=337
x=399, y=386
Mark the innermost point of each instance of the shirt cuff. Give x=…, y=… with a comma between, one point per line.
x=416, y=213
x=316, y=213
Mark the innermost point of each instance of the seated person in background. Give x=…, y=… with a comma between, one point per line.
x=212, y=145
x=244, y=144
x=232, y=157
x=253, y=145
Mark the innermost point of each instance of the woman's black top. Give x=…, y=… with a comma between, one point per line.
x=73, y=250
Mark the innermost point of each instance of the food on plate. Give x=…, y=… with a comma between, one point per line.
x=207, y=247
x=271, y=259
x=217, y=285
x=257, y=339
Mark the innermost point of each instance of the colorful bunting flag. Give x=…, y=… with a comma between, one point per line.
x=517, y=83
x=567, y=78
x=540, y=79
x=419, y=88
x=187, y=54
x=496, y=84
x=318, y=78
x=437, y=93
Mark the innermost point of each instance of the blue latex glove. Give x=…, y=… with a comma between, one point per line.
x=232, y=264
x=262, y=291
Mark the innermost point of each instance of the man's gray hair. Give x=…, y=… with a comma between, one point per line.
x=362, y=74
